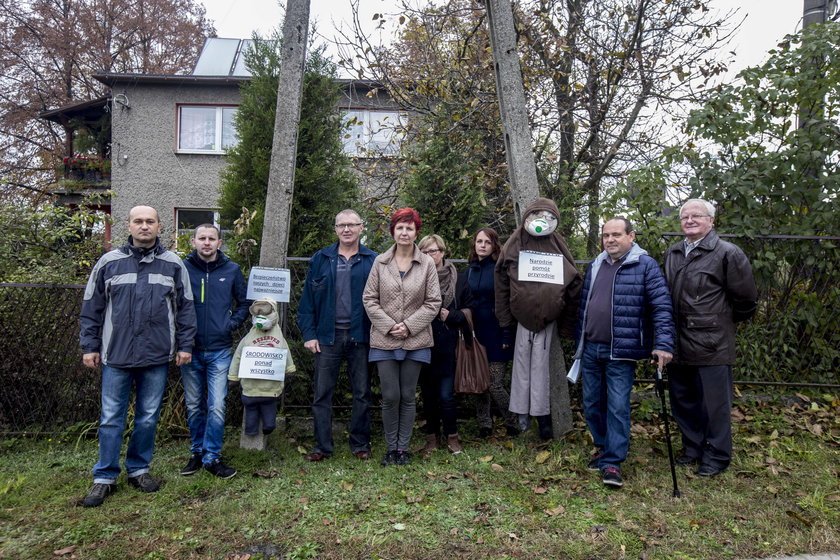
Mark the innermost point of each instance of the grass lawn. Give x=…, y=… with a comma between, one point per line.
x=503, y=498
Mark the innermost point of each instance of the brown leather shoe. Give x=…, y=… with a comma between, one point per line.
x=362, y=455
x=314, y=457
x=431, y=444
x=453, y=442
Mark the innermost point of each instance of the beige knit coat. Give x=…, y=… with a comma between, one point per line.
x=413, y=299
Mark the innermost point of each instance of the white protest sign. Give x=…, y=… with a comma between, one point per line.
x=263, y=362
x=274, y=283
x=541, y=267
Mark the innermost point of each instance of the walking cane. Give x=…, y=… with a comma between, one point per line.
x=660, y=389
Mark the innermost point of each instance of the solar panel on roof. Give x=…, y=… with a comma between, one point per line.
x=222, y=57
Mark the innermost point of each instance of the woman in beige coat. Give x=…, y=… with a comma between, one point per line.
x=402, y=297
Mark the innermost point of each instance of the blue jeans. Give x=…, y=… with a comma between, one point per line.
x=327, y=365
x=607, y=385
x=205, y=389
x=150, y=384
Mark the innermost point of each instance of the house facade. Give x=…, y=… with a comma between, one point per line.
x=169, y=134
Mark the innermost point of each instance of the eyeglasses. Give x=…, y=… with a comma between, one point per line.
x=431, y=251
x=346, y=226
x=694, y=217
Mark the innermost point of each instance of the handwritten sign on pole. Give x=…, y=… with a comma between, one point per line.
x=263, y=362
x=541, y=267
x=274, y=283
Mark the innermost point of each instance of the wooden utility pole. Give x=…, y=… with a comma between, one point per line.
x=522, y=170
x=281, y=174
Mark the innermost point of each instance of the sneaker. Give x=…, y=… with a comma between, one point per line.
x=612, y=477
x=219, y=469
x=193, y=465
x=97, y=494
x=390, y=458
x=403, y=458
x=592, y=465
x=144, y=482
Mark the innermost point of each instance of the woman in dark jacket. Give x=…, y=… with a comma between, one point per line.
x=497, y=340
x=437, y=378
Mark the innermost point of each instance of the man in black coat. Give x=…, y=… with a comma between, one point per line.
x=712, y=288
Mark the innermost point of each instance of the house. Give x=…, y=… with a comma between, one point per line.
x=169, y=134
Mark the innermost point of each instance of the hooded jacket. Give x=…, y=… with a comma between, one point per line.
x=271, y=338
x=712, y=289
x=641, y=315
x=137, y=310
x=219, y=295
x=535, y=304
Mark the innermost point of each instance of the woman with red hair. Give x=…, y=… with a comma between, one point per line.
x=402, y=298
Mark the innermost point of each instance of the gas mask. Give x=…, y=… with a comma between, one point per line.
x=540, y=223
x=263, y=315
x=262, y=322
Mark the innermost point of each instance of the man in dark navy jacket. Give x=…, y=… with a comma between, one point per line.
x=625, y=316
x=335, y=328
x=219, y=293
x=137, y=315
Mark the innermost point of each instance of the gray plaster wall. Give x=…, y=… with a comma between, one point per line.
x=146, y=168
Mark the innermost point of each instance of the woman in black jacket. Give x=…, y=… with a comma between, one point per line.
x=498, y=341
x=437, y=379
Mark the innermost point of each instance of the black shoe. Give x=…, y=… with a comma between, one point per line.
x=612, y=477
x=390, y=458
x=709, y=470
x=97, y=494
x=219, y=469
x=484, y=432
x=592, y=465
x=403, y=458
x=193, y=465
x=544, y=423
x=144, y=483
x=685, y=460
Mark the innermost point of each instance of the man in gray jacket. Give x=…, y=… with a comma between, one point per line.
x=137, y=315
x=712, y=288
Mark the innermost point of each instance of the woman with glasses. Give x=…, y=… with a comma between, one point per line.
x=437, y=378
x=498, y=341
x=402, y=297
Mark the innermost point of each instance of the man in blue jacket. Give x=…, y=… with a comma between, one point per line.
x=220, y=306
x=336, y=328
x=137, y=315
x=625, y=316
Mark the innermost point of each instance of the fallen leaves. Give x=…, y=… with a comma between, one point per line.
x=64, y=551
x=555, y=511
x=542, y=457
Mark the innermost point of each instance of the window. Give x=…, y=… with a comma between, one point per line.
x=372, y=133
x=190, y=218
x=204, y=129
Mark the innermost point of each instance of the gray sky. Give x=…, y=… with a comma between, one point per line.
x=766, y=23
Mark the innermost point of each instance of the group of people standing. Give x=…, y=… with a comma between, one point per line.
x=403, y=311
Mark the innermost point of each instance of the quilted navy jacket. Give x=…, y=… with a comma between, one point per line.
x=642, y=317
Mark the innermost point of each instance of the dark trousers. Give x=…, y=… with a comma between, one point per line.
x=260, y=409
x=437, y=382
x=327, y=365
x=701, y=400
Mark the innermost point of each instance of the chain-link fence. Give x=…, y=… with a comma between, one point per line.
x=794, y=338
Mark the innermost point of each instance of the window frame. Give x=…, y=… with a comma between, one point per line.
x=368, y=146
x=218, y=140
